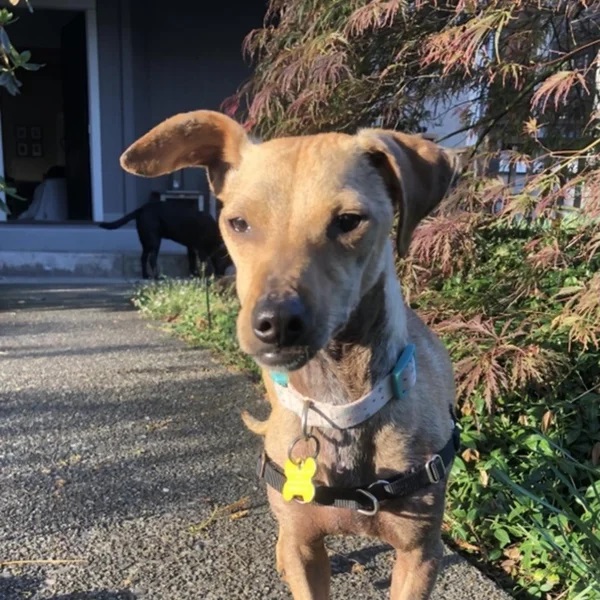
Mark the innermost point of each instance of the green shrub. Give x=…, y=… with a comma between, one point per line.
x=519, y=308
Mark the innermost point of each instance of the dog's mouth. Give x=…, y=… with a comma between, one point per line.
x=285, y=359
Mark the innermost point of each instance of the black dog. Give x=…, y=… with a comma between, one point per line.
x=178, y=221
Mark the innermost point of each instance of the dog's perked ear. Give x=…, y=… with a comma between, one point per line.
x=416, y=171
x=202, y=138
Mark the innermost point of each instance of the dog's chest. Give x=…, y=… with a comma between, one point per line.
x=346, y=458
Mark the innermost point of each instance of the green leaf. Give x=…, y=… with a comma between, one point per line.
x=12, y=85
x=32, y=66
x=502, y=536
x=5, y=43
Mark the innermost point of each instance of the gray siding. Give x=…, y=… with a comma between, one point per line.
x=111, y=103
x=183, y=57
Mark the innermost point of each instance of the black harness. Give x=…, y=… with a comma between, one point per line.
x=367, y=499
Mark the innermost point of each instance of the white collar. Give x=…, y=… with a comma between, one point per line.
x=321, y=414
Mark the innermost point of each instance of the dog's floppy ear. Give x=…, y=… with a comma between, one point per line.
x=417, y=173
x=202, y=138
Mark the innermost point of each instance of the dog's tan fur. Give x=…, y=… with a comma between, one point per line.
x=289, y=190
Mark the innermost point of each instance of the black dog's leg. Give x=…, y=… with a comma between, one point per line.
x=153, y=262
x=144, y=261
x=192, y=262
x=148, y=228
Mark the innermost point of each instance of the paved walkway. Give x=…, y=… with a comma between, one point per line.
x=117, y=443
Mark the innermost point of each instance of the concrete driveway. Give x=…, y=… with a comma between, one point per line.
x=122, y=457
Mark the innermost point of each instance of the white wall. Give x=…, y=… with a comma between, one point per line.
x=448, y=117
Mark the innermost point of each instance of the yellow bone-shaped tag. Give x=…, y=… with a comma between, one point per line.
x=298, y=480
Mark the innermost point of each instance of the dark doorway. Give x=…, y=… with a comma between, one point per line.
x=45, y=129
x=73, y=54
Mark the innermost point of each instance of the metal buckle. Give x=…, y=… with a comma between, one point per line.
x=435, y=468
x=375, y=509
x=382, y=482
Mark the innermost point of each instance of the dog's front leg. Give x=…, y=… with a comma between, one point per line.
x=415, y=573
x=303, y=563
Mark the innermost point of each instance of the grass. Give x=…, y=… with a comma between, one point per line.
x=182, y=306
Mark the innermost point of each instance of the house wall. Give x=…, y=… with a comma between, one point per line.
x=155, y=60
x=110, y=53
x=160, y=61
x=447, y=118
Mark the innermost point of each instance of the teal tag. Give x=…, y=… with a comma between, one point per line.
x=279, y=378
x=399, y=386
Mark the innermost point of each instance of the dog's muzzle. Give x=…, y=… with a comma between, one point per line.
x=282, y=324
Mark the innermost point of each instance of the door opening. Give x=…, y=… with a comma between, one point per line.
x=45, y=129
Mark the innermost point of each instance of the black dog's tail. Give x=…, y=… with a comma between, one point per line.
x=119, y=222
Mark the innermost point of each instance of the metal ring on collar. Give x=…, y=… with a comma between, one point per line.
x=304, y=419
x=304, y=438
x=371, y=497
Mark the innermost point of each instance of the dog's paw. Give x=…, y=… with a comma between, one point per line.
x=280, y=568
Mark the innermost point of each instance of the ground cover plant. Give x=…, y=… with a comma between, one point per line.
x=518, y=306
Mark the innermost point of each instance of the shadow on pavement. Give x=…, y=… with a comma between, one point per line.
x=48, y=351
x=124, y=444
x=84, y=456
x=347, y=562
x=13, y=587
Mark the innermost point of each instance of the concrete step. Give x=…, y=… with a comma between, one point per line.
x=109, y=265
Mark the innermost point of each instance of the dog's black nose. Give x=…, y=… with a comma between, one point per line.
x=280, y=319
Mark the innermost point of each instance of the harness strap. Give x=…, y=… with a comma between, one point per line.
x=366, y=499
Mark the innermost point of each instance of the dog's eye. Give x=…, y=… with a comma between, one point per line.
x=239, y=225
x=348, y=222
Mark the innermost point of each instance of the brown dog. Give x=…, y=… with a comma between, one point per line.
x=306, y=221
